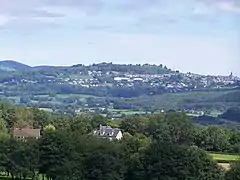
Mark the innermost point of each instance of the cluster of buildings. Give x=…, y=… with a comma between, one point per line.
x=174, y=80
x=168, y=80
x=105, y=132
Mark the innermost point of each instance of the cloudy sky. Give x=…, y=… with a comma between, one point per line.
x=201, y=36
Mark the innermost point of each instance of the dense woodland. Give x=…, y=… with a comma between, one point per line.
x=166, y=146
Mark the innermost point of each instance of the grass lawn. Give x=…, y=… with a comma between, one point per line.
x=225, y=157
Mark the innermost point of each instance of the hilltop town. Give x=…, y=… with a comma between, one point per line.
x=107, y=86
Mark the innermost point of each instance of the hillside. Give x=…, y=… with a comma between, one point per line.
x=113, y=89
x=229, y=97
x=9, y=65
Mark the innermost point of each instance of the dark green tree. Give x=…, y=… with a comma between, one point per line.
x=234, y=172
x=98, y=120
x=102, y=161
x=58, y=156
x=134, y=125
x=173, y=127
x=213, y=138
x=173, y=162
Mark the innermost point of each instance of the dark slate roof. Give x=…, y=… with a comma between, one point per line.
x=108, y=132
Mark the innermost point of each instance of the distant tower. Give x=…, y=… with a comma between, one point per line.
x=231, y=75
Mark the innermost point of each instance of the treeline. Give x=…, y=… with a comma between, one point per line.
x=103, y=67
x=232, y=114
x=51, y=88
x=165, y=146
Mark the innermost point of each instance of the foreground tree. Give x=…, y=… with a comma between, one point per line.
x=173, y=162
x=234, y=172
x=133, y=148
x=103, y=161
x=213, y=138
x=173, y=127
x=57, y=156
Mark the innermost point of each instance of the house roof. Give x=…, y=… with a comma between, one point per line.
x=27, y=132
x=107, y=131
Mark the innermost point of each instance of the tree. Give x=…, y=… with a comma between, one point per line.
x=26, y=158
x=173, y=127
x=133, y=149
x=49, y=128
x=134, y=125
x=40, y=118
x=173, y=162
x=235, y=141
x=213, y=138
x=57, y=156
x=3, y=130
x=10, y=118
x=98, y=120
x=234, y=172
x=81, y=125
x=10, y=157
x=103, y=161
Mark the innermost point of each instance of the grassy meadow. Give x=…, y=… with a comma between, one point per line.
x=225, y=157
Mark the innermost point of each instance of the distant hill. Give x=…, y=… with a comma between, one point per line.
x=120, y=87
x=9, y=65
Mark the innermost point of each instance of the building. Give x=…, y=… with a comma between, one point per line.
x=109, y=133
x=26, y=133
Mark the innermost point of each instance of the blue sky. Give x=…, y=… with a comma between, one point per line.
x=201, y=36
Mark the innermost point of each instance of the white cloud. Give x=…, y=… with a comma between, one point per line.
x=4, y=20
x=77, y=9
x=228, y=6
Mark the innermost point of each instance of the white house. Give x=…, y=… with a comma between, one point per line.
x=109, y=133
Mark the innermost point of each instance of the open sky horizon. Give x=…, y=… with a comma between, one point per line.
x=188, y=35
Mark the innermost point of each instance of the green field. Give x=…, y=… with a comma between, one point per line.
x=225, y=157
x=126, y=111
x=73, y=95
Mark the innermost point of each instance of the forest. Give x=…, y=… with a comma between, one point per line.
x=165, y=146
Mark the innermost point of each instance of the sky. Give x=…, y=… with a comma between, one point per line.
x=200, y=36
